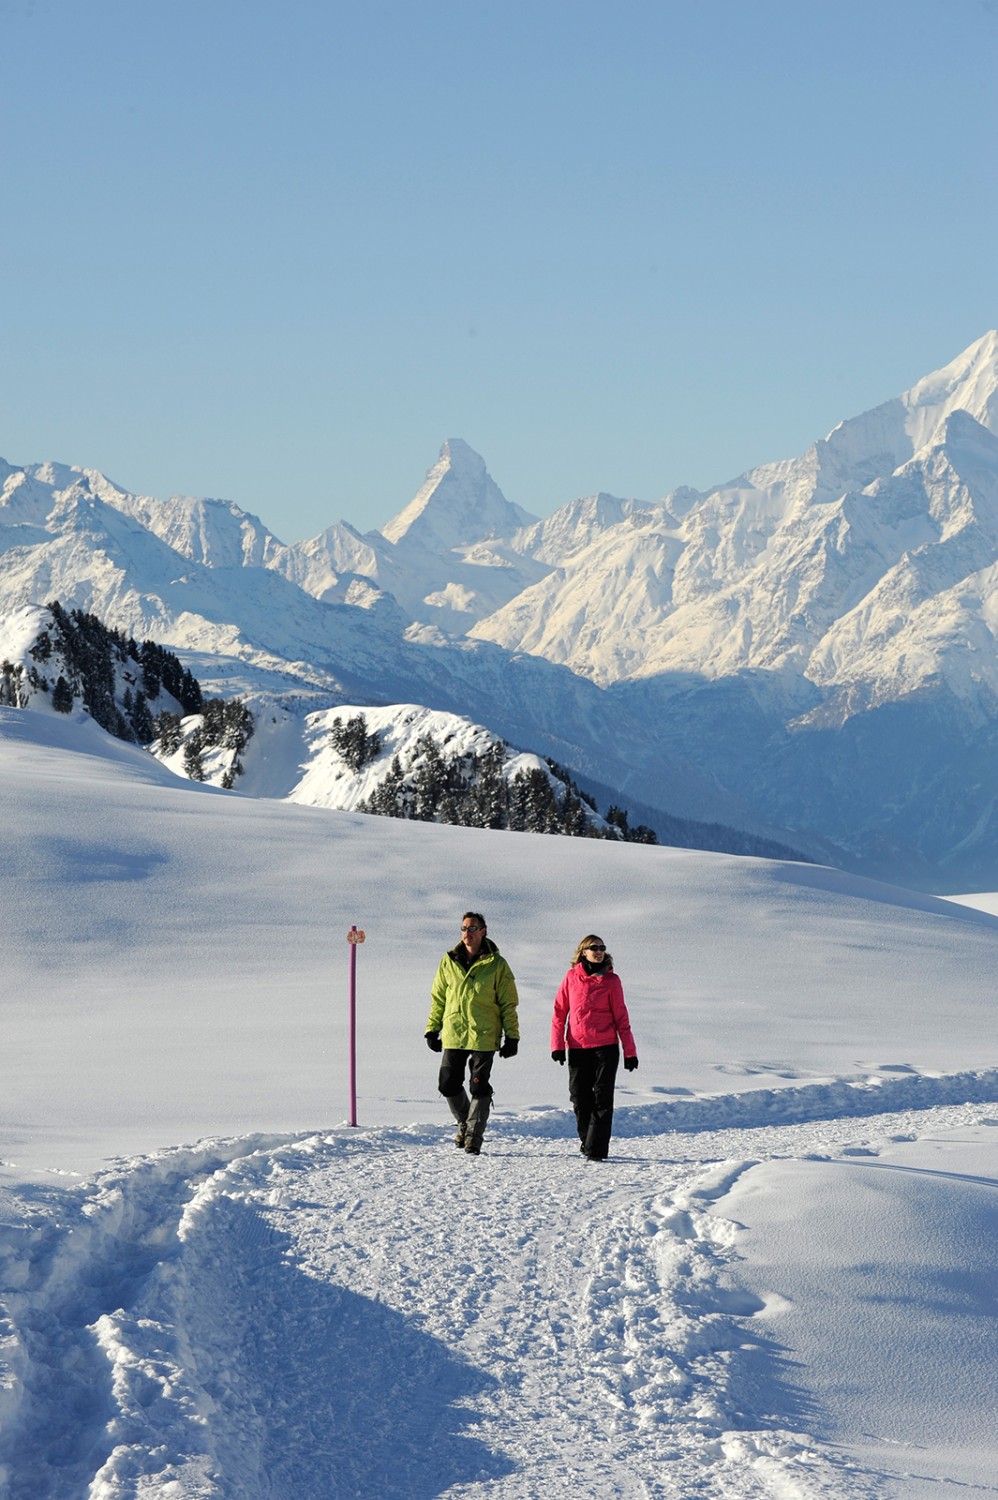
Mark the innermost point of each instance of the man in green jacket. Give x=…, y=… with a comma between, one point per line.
x=473, y=1004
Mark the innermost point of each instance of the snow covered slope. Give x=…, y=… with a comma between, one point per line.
x=291, y=1307
x=126, y=881
x=402, y=761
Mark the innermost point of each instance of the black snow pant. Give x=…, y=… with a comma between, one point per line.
x=471, y=1114
x=591, y=1075
x=452, y=1066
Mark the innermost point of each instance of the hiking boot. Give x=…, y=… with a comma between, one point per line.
x=472, y=1150
x=459, y=1104
x=478, y=1116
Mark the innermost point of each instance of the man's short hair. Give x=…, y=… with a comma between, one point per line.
x=477, y=917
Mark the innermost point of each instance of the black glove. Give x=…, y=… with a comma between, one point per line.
x=433, y=1041
x=630, y=1064
x=509, y=1047
x=558, y=1057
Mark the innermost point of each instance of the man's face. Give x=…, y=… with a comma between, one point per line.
x=472, y=935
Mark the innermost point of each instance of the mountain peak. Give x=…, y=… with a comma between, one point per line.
x=459, y=503
x=968, y=383
x=862, y=448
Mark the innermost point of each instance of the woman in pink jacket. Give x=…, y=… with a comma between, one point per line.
x=589, y=1018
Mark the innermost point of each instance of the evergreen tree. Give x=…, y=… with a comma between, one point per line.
x=42, y=648
x=190, y=696
x=237, y=726
x=617, y=819
x=571, y=818
x=230, y=774
x=152, y=679
x=386, y=800
x=492, y=798
x=169, y=732
x=62, y=696
x=428, y=781
x=141, y=719
x=534, y=801
x=12, y=691
x=351, y=740
x=193, y=761
x=449, y=811
x=213, y=720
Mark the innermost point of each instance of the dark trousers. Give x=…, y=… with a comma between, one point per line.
x=452, y=1066
x=591, y=1075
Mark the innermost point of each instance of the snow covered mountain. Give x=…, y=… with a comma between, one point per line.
x=796, y=567
x=401, y=761
x=69, y=534
x=819, y=633
x=810, y=647
x=459, y=503
x=442, y=557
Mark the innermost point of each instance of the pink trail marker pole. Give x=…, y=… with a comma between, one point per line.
x=354, y=936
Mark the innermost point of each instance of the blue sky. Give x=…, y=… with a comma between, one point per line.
x=278, y=253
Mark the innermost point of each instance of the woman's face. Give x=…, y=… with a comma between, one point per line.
x=594, y=951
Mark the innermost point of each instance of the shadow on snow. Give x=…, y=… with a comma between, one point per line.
x=344, y=1396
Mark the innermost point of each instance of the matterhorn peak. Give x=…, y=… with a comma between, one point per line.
x=458, y=504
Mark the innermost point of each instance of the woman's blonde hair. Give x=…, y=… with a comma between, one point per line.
x=591, y=937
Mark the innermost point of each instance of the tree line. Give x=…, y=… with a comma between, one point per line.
x=473, y=790
x=91, y=655
x=87, y=661
x=226, y=724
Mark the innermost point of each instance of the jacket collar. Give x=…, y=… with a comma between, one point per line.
x=461, y=956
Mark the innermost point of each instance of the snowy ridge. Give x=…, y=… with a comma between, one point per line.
x=840, y=1099
x=329, y=782
x=251, y=631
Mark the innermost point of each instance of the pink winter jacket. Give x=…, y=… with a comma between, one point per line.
x=589, y=1011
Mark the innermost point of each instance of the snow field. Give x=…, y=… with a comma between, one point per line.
x=371, y=1312
x=294, y=1310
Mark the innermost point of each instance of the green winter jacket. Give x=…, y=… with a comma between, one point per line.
x=472, y=1008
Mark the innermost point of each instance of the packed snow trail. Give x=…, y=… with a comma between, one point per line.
x=354, y=1314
